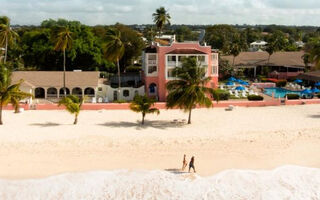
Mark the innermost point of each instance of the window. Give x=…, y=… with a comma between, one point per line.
x=181, y=58
x=170, y=73
x=125, y=93
x=214, y=70
x=152, y=88
x=152, y=57
x=100, y=89
x=136, y=93
x=214, y=57
x=201, y=58
x=172, y=58
x=152, y=69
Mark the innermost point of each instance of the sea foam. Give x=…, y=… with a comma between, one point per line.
x=287, y=183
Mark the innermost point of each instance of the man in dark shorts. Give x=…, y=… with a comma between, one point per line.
x=191, y=165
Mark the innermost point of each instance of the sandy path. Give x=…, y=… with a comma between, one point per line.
x=43, y=143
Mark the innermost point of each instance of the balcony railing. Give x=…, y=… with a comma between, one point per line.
x=172, y=63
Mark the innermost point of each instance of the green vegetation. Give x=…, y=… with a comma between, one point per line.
x=63, y=42
x=255, y=98
x=189, y=89
x=73, y=105
x=293, y=96
x=143, y=105
x=9, y=93
x=114, y=50
x=7, y=35
x=161, y=17
x=221, y=95
x=281, y=83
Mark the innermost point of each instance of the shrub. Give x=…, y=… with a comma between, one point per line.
x=120, y=101
x=255, y=98
x=281, y=83
x=293, y=96
x=222, y=95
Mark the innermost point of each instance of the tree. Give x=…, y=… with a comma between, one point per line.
x=9, y=93
x=235, y=50
x=270, y=49
x=313, y=50
x=114, y=50
x=7, y=35
x=189, y=89
x=144, y=105
x=161, y=17
x=63, y=42
x=73, y=105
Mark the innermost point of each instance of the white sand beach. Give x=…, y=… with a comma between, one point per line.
x=37, y=144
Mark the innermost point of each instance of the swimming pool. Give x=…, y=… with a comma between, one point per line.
x=279, y=92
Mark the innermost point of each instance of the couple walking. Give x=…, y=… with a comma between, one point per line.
x=185, y=163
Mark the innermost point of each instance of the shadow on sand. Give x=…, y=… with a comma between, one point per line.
x=147, y=124
x=47, y=124
x=176, y=171
x=314, y=116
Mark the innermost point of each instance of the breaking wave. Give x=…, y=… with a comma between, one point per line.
x=288, y=182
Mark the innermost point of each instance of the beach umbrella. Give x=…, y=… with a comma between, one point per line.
x=306, y=91
x=244, y=83
x=230, y=83
x=240, y=88
x=298, y=81
x=317, y=84
x=232, y=79
x=315, y=90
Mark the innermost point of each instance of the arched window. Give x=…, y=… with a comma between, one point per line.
x=39, y=93
x=89, y=91
x=126, y=93
x=152, y=88
x=61, y=91
x=77, y=91
x=52, y=92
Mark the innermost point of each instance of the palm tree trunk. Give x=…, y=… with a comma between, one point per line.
x=143, y=115
x=64, y=73
x=16, y=108
x=1, y=123
x=119, y=79
x=6, y=51
x=189, y=119
x=268, y=59
x=75, y=119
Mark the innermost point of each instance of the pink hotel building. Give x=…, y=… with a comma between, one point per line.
x=159, y=62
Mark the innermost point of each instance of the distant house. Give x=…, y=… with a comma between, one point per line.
x=299, y=44
x=160, y=60
x=282, y=65
x=258, y=45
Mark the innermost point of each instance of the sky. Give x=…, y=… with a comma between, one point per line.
x=106, y=12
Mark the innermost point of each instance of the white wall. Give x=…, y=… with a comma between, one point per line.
x=107, y=93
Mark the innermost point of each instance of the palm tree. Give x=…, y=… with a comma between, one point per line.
x=73, y=105
x=235, y=50
x=63, y=42
x=114, y=50
x=314, y=53
x=7, y=35
x=161, y=17
x=9, y=93
x=189, y=89
x=144, y=105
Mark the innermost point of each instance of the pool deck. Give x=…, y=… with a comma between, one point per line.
x=162, y=105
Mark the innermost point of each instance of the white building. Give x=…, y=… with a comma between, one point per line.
x=258, y=45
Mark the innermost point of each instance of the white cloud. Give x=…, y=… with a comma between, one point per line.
x=293, y=12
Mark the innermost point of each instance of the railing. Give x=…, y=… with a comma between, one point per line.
x=172, y=63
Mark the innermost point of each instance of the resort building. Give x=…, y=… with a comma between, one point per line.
x=159, y=61
x=282, y=65
x=48, y=86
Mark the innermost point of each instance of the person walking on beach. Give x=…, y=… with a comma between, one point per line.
x=191, y=165
x=184, y=162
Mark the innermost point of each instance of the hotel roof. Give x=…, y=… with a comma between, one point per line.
x=186, y=51
x=55, y=78
x=287, y=59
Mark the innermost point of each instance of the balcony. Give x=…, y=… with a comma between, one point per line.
x=172, y=63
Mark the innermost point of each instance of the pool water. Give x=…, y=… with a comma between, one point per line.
x=279, y=92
